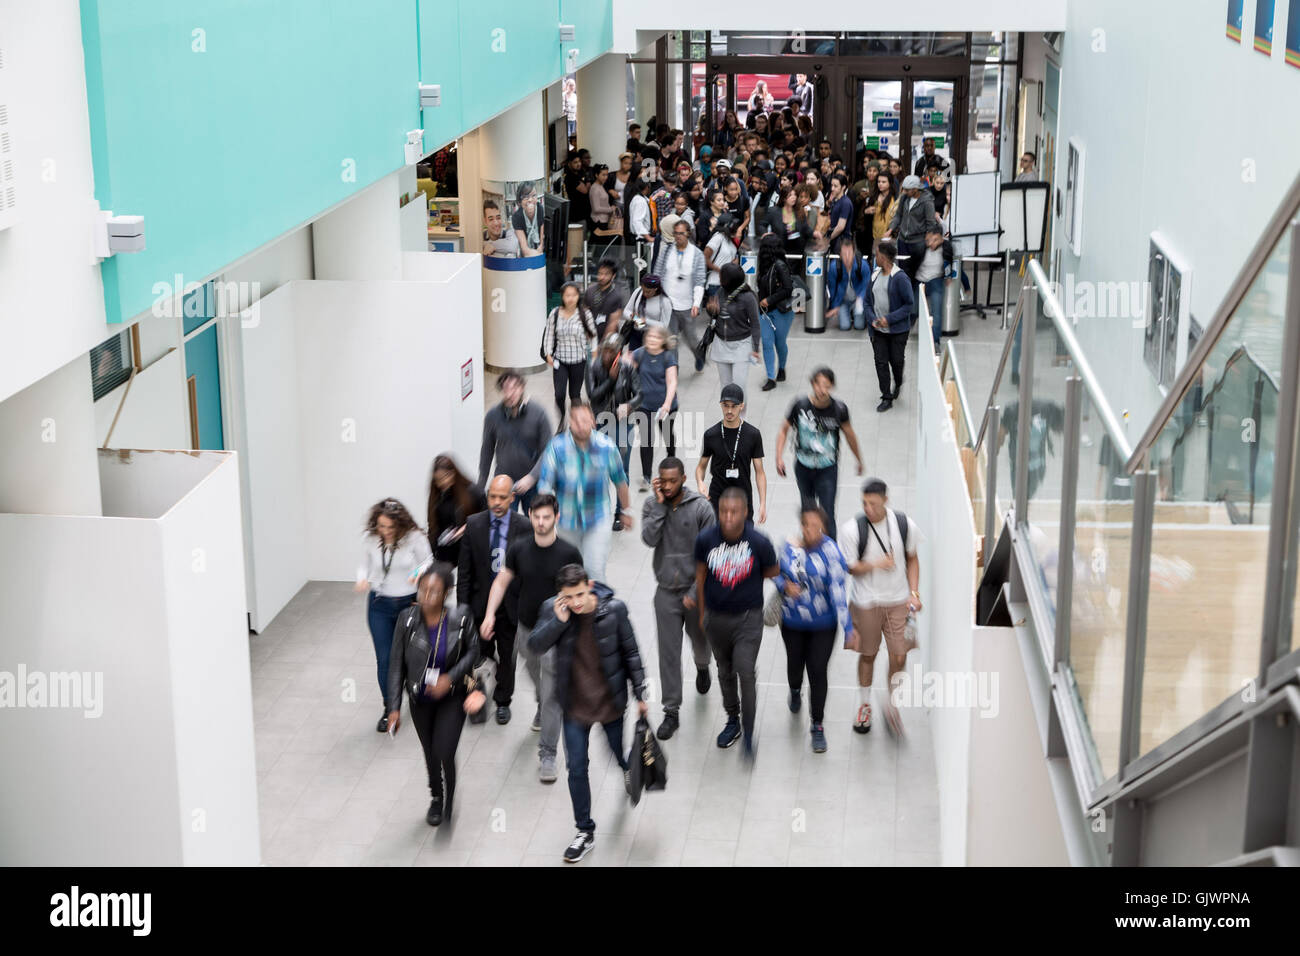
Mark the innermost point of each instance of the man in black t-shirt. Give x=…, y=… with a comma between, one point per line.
x=577, y=185
x=535, y=560
x=817, y=420
x=731, y=560
x=730, y=449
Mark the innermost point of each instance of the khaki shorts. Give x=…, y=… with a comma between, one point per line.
x=869, y=623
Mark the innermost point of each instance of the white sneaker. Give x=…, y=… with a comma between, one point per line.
x=644, y=486
x=547, y=773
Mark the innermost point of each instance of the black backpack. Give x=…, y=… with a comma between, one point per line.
x=864, y=527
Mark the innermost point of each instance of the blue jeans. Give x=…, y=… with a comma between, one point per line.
x=774, y=326
x=381, y=615
x=934, y=299
x=577, y=737
x=817, y=487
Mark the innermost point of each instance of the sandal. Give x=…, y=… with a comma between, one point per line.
x=863, y=724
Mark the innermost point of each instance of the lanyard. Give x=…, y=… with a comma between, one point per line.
x=734, y=445
x=386, y=557
x=437, y=641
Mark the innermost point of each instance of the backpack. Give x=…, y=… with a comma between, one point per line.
x=863, y=530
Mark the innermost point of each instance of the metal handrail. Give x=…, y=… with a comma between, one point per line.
x=1002, y=362
x=1287, y=211
x=1090, y=382
x=950, y=363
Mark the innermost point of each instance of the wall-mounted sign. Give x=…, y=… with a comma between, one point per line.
x=466, y=379
x=1264, y=27
x=934, y=118
x=878, y=115
x=924, y=102
x=887, y=124
x=1234, y=19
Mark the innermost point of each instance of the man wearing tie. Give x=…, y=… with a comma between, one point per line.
x=483, y=553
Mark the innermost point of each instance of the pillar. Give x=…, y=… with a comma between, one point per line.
x=511, y=149
x=602, y=108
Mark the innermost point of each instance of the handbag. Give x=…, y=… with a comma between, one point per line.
x=772, y=609
x=647, y=767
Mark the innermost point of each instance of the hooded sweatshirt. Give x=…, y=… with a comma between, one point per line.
x=671, y=529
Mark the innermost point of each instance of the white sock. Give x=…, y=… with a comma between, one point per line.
x=864, y=695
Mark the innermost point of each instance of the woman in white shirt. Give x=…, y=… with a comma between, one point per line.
x=396, y=549
x=620, y=179
x=638, y=211
x=721, y=249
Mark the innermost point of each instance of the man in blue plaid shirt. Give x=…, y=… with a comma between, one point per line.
x=576, y=467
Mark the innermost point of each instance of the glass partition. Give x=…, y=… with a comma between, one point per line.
x=1103, y=539
x=1209, y=545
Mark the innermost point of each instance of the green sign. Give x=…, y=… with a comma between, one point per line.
x=878, y=114
x=873, y=142
x=935, y=118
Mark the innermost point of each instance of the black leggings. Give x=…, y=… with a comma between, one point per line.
x=567, y=375
x=438, y=724
x=810, y=650
x=667, y=432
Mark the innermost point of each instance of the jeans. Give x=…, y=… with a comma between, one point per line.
x=817, y=486
x=594, y=544
x=568, y=377
x=810, y=651
x=890, y=349
x=671, y=616
x=775, y=329
x=934, y=299
x=619, y=431
x=542, y=671
x=577, y=738
x=735, y=639
x=438, y=724
x=381, y=616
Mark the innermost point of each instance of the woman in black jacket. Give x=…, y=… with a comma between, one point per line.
x=736, y=326
x=788, y=218
x=776, y=310
x=433, y=659
x=452, y=499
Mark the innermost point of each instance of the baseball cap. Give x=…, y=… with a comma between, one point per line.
x=733, y=393
x=723, y=164
x=911, y=182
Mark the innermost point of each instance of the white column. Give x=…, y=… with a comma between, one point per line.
x=602, y=108
x=510, y=149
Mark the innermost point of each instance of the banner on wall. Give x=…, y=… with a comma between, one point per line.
x=1234, y=19
x=1293, y=33
x=1264, y=26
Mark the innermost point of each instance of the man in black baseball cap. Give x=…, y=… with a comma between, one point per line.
x=730, y=449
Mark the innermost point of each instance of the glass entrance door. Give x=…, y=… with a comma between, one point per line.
x=878, y=117
x=932, y=118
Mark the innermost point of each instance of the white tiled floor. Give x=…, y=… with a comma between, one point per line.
x=335, y=792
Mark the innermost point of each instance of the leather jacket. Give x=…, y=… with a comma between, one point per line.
x=411, y=648
x=606, y=392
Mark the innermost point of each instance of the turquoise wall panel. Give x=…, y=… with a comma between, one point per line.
x=201, y=361
x=594, y=23
x=439, y=24
x=508, y=49
x=227, y=122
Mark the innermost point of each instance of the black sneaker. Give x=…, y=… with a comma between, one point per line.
x=618, y=522
x=479, y=716
x=668, y=727
x=818, y=739
x=730, y=733
x=885, y=405
x=382, y=726
x=769, y=385
x=796, y=701
x=580, y=846
x=434, y=816
x=503, y=714
x=703, y=681
x=750, y=749
x=898, y=387
x=780, y=375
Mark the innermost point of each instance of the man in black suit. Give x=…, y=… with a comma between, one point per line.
x=483, y=553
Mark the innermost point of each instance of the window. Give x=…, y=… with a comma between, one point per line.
x=1167, y=337
x=110, y=364
x=1074, y=198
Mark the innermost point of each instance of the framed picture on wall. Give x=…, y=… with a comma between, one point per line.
x=1074, y=197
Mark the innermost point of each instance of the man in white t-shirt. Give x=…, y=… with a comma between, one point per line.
x=884, y=591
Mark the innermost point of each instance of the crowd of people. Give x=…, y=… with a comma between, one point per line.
x=513, y=561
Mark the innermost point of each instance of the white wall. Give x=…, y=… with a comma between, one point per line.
x=945, y=626
x=156, y=412
x=271, y=453
x=361, y=237
x=51, y=300
x=1013, y=817
x=148, y=484
x=350, y=390
x=47, y=445
x=1167, y=127
x=207, y=650
x=772, y=15
x=266, y=269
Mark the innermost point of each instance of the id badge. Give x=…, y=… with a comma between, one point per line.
x=431, y=676
x=732, y=473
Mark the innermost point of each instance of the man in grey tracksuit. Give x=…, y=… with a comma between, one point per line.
x=670, y=523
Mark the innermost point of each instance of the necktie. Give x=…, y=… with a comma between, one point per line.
x=496, y=545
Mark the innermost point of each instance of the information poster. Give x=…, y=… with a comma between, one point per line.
x=1264, y=26
x=1293, y=34
x=1234, y=19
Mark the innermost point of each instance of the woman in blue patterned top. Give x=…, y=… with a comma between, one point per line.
x=814, y=585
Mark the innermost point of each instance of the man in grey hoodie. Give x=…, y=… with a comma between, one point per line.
x=516, y=432
x=670, y=523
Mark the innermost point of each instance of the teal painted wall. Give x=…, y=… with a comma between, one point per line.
x=278, y=109
x=202, y=361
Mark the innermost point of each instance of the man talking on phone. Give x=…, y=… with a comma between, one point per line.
x=596, y=657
